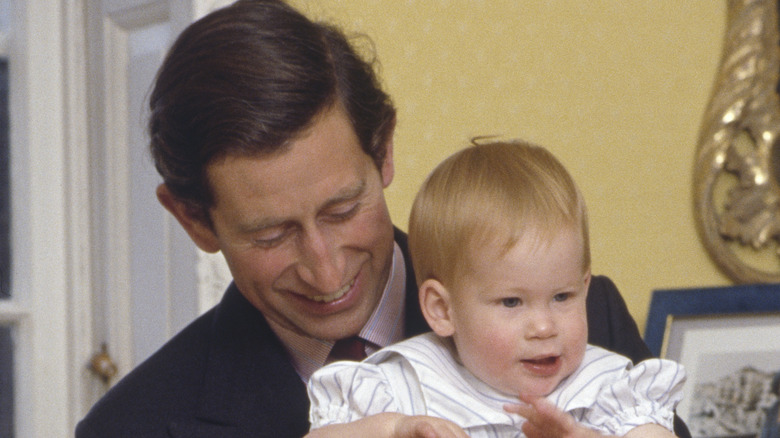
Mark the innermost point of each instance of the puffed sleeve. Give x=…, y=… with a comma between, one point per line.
x=343, y=392
x=645, y=394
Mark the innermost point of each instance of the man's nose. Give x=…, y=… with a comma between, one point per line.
x=321, y=264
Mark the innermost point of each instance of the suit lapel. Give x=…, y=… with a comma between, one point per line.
x=250, y=386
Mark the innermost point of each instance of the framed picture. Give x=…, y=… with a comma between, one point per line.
x=728, y=339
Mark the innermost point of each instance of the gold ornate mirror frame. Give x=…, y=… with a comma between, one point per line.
x=737, y=169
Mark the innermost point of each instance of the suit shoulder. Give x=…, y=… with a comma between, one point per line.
x=162, y=387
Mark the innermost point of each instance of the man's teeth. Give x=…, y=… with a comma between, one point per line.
x=334, y=296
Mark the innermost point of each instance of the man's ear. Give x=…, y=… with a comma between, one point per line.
x=200, y=232
x=436, y=308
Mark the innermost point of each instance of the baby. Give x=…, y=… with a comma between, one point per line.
x=499, y=241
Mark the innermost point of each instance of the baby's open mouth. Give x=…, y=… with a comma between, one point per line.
x=543, y=361
x=543, y=366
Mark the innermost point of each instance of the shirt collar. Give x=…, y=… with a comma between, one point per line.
x=383, y=328
x=443, y=378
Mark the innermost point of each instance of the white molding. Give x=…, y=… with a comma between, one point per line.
x=48, y=215
x=11, y=312
x=117, y=195
x=41, y=286
x=134, y=14
x=83, y=389
x=71, y=241
x=137, y=271
x=73, y=257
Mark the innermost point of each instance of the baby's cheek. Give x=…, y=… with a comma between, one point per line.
x=497, y=364
x=500, y=348
x=486, y=348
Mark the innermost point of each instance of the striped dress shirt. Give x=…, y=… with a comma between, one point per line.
x=421, y=376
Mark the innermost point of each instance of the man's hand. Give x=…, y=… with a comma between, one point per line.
x=392, y=425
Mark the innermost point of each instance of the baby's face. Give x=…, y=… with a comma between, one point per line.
x=520, y=320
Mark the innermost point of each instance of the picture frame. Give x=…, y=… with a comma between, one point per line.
x=728, y=339
x=5, y=187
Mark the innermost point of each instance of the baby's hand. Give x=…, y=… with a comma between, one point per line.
x=391, y=425
x=419, y=426
x=547, y=421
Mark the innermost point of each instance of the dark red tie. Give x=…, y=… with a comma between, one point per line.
x=353, y=348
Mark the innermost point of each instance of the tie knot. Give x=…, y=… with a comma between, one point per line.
x=352, y=348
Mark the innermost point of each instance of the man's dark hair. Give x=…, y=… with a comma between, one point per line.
x=248, y=78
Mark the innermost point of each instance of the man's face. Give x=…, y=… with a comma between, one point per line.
x=306, y=233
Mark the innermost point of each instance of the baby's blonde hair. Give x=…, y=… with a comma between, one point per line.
x=491, y=193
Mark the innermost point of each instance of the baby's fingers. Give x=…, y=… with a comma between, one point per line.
x=428, y=427
x=544, y=419
x=522, y=409
x=545, y=412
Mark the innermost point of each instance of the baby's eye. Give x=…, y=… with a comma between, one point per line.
x=562, y=296
x=510, y=302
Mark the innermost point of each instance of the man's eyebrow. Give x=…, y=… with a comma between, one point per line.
x=346, y=194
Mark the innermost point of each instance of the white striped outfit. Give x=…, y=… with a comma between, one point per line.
x=420, y=376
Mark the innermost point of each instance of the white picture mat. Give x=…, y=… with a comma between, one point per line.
x=711, y=347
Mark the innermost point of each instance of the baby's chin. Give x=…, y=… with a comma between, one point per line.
x=532, y=389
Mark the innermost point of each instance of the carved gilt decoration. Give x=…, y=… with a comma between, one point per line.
x=737, y=169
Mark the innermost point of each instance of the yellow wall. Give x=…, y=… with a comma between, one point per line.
x=615, y=88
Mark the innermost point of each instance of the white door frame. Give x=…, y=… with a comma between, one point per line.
x=72, y=179
x=139, y=265
x=39, y=201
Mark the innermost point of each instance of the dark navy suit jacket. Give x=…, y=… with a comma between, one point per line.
x=228, y=375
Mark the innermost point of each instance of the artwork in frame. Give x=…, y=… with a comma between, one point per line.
x=728, y=339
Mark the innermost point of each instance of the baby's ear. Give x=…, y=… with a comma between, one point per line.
x=435, y=305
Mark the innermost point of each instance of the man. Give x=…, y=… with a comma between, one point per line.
x=274, y=141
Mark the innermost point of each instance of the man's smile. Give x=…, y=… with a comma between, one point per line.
x=334, y=296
